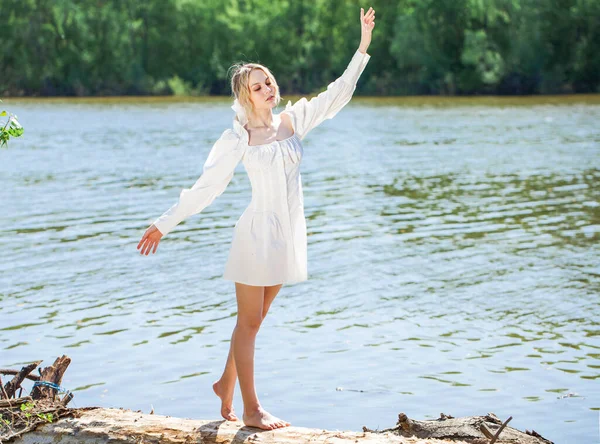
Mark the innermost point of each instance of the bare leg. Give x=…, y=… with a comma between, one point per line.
x=270, y=293
x=225, y=386
x=250, y=315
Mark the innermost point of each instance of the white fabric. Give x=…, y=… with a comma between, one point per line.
x=269, y=240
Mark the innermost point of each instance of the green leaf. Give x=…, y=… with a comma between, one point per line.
x=3, y=113
x=15, y=132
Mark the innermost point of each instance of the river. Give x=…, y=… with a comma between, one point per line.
x=453, y=262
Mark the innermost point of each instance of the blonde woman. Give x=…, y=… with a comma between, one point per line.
x=269, y=241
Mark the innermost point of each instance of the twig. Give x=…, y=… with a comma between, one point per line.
x=3, y=391
x=8, y=371
x=500, y=430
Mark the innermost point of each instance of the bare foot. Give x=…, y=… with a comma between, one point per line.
x=263, y=420
x=227, y=411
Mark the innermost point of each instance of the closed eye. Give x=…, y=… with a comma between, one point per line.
x=258, y=89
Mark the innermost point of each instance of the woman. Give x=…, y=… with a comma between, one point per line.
x=269, y=241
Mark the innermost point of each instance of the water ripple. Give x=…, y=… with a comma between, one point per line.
x=453, y=255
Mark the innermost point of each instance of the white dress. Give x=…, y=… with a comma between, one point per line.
x=269, y=241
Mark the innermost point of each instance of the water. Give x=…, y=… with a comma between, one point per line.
x=453, y=262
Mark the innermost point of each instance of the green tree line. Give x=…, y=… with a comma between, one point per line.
x=185, y=47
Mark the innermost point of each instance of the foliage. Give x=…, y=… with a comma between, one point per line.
x=12, y=128
x=30, y=406
x=185, y=47
x=21, y=418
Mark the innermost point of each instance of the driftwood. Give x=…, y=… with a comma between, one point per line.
x=53, y=375
x=19, y=415
x=488, y=429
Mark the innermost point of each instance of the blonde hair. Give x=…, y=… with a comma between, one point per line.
x=239, y=84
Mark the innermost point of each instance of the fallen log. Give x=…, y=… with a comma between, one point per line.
x=119, y=426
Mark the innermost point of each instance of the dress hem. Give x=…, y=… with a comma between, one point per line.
x=288, y=282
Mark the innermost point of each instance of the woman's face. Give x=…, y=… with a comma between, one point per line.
x=262, y=92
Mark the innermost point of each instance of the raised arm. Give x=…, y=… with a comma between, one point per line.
x=218, y=170
x=307, y=114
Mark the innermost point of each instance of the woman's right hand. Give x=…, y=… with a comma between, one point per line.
x=150, y=239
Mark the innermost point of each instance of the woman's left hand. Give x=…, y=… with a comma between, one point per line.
x=367, y=23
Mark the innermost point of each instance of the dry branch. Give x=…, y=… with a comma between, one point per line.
x=11, y=386
x=8, y=371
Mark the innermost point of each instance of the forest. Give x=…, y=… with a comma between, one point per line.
x=185, y=47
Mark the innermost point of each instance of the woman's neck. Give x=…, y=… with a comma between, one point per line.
x=261, y=119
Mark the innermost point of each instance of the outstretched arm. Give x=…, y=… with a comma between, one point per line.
x=307, y=114
x=218, y=171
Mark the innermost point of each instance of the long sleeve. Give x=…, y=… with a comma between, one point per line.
x=307, y=114
x=218, y=170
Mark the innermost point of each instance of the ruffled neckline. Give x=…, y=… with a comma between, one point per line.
x=271, y=143
x=240, y=119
